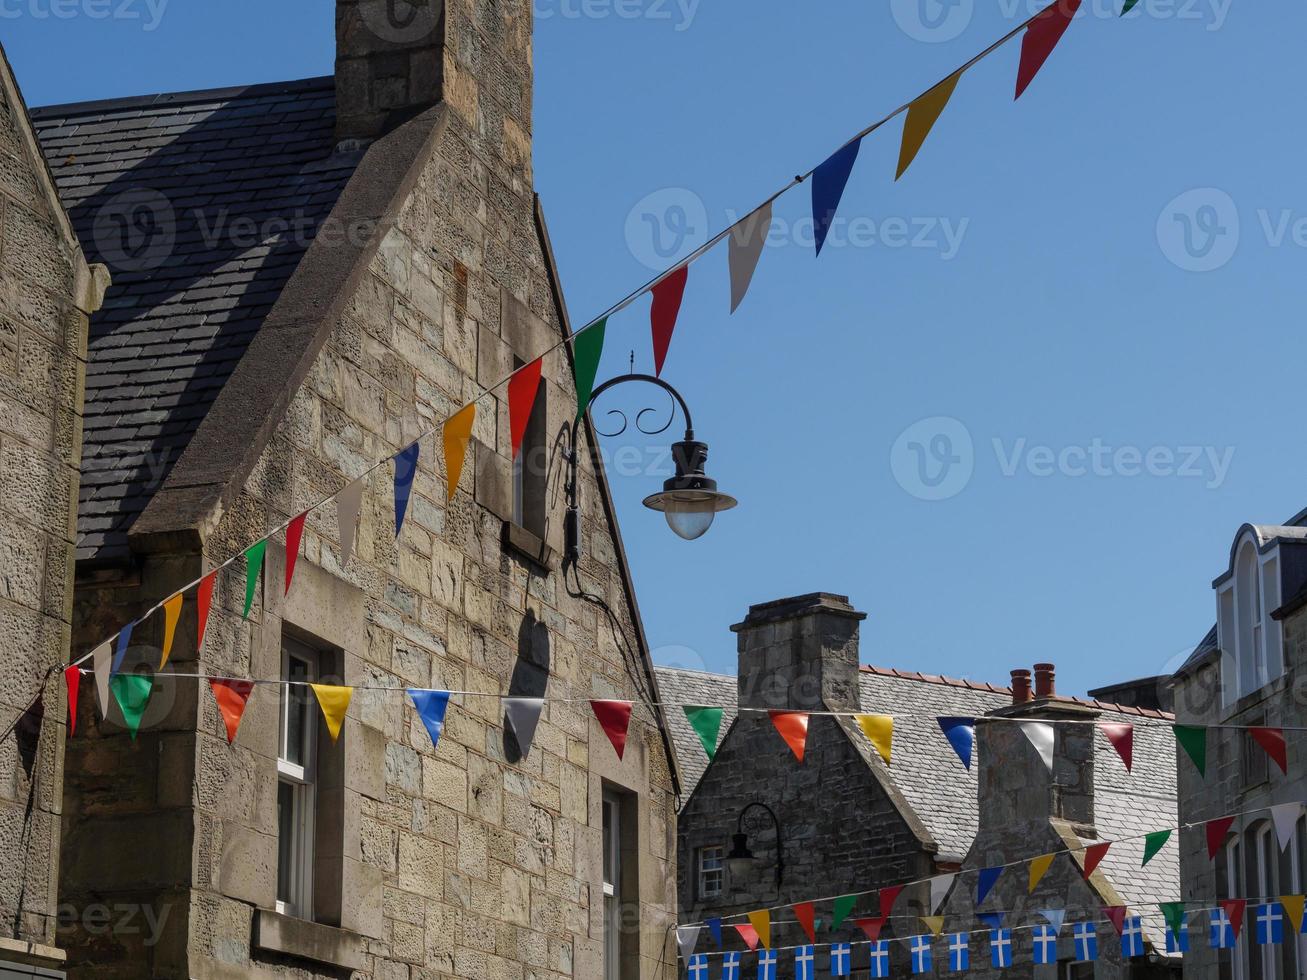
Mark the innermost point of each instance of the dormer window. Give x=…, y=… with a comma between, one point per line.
x=1250, y=639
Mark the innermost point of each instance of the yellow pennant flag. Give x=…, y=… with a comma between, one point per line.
x=458, y=430
x=935, y=923
x=1038, y=868
x=1293, y=905
x=333, y=701
x=879, y=730
x=172, y=611
x=761, y=922
x=922, y=116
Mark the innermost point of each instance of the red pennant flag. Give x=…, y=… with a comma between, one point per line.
x=1122, y=737
x=1272, y=740
x=1234, y=908
x=1094, y=855
x=887, y=899
x=749, y=934
x=615, y=718
x=73, y=679
x=1116, y=915
x=805, y=913
x=294, y=532
x=203, y=600
x=1216, y=831
x=793, y=726
x=522, y=388
x=1041, y=38
x=667, y=296
x=871, y=927
x=232, y=697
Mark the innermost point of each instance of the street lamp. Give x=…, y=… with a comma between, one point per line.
x=742, y=860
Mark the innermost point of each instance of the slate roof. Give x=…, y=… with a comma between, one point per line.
x=201, y=204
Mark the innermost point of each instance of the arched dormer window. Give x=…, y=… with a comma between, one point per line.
x=1251, y=655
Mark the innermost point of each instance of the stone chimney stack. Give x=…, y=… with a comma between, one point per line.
x=800, y=653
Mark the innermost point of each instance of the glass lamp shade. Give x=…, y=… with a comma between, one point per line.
x=690, y=513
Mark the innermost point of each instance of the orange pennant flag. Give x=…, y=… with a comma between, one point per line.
x=793, y=726
x=879, y=730
x=935, y=923
x=1293, y=907
x=761, y=922
x=922, y=116
x=458, y=432
x=232, y=696
x=172, y=612
x=1038, y=868
x=333, y=701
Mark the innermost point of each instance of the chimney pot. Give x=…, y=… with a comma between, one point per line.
x=1020, y=686
x=1045, y=681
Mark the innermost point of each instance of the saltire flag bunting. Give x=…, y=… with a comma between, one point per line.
x=887, y=898
x=72, y=681
x=841, y=960
x=921, y=119
x=615, y=719
x=1177, y=927
x=667, y=296
x=828, y=183
x=101, y=662
x=879, y=954
x=961, y=734
x=843, y=908
x=959, y=952
x=935, y=923
x=587, y=350
x=1153, y=843
x=1194, y=741
x=1132, y=937
x=1116, y=915
x=1222, y=932
x=1293, y=909
x=1285, y=817
x=872, y=926
x=456, y=434
x=120, y=651
x=1272, y=741
x=232, y=697
x=294, y=535
x=986, y=881
x=707, y=724
x=1041, y=37
x=805, y=912
x=1000, y=949
x=767, y=961
x=879, y=730
x=696, y=967
x=431, y=708
x=522, y=389
x=203, y=602
x=1094, y=855
x=922, y=962
x=749, y=934
x=793, y=727
x=1269, y=921
x=132, y=692
x=1085, y=940
x=1216, y=831
x=1055, y=918
x=1045, y=945
x=523, y=715
x=406, y=468
x=253, y=566
x=746, y=244
x=334, y=701
x=172, y=612
x=1042, y=736
x=687, y=937
x=731, y=964
x=939, y=889
x=715, y=928
x=1122, y=737
x=805, y=963
x=1038, y=868
x=761, y=922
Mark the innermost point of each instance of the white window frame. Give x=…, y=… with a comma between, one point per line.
x=612, y=884
x=301, y=777
x=1251, y=641
x=715, y=853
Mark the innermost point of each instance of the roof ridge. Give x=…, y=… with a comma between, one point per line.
x=227, y=93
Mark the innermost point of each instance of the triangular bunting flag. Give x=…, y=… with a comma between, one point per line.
x=1094, y=855
x=715, y=927
x=457, y=433
x=667, y=296
x=986, y=881
x=132, y=692
x=887, y=898
x=294, y=535
x=120, y=651
x=1174, y=913
x=1153, y=843
x=1129, y=6
x=1041, y=736
x=232, y=696
x=1234, y=909
x=804, y=912
x=615, y=718
x=1116, y=915
x=749, y=934
x=1054, y=917
x=747, y=240
x=687, y=937
x=101, y=661
x=843, y=907
x=935, y=923
x=1285, y=816
x=172, y=612
x=1041, y=38
x=707, y=724
x=1122, y=737
x=961, y=734
x=879, y=730
x=1293, y=907
x=1194, y=741
x=72, y=681
x=406, y=468
x=587, y=351
x=992, y=919
x=793, y=726
x=1272, y=741
x=203, y=602
x=761, y=922
x=1038, y=868
x=523, y=715
x=922, y=116
x=348, y=504
x=522, y=389
x=334, y=701
x=939, y=889
x=828, y=183
x=253, y=566
x=1216, y=831
x=431, y=707
x=871, y=926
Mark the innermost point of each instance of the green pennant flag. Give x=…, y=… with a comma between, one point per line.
x=1175, y=916
x=707, y=724
x=587, y=347
x=132, y=692
x=843, y=907
x=1194, y=741
x=253, y=565
x=1129, y=6
x=1153, y=843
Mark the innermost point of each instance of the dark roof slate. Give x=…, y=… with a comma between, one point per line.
x=201, y=204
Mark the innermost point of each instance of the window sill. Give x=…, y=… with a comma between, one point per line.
x=523, y=542
x=1255, y=698
x=288, y=936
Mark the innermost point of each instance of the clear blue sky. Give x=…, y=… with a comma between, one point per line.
x=1066, y=312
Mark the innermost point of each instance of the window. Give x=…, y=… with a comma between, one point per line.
x=296, y=782
x=621, y=885
x=712, y=871
x=1254, y=764
x=1251, y=641
x=1264, y=883
x=531, y=469
x=1230, y=885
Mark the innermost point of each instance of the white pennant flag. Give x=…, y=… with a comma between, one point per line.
x=348, y=504
x=1041, y=737
x=687, y=937
x=939, y=886
x=747, y=240
x=1286, y=818
x=524, y=714
x=102, y=661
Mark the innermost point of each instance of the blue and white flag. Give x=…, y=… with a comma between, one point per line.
x=805, y=963
x=1086, y=942
x=1270, y=924
x=959, y=952
x=1000, y=948
x=731, y=966
x=841, y=960
x=767, y=961
x=698, y=968
x=1178, y=943
x=1222, y=930
x=1045, y=939
x=922, y=961
x=1132, y=937
x=880, y=958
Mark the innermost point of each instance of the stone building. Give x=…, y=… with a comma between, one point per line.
x=1247, y=671
x=47, y=292
x=308, y=276
x=849, y=824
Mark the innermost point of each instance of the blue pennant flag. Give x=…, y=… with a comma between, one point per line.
x=1222, y=932
x=1086, y=941
x=406, y=467
x=767, y=961
x=715, y=927
x=961, y=734
x=1045, y=939
x=431, y=707
x=805, y=963
x=879, y=958
x=841, y=960
x=1132, y=937
x=1270, y=924
x=1178, y=942
x=1055, y=918
x=992, y=919
x=922, y=961
x=959, y=952
x=731, y=966
x=698, y=968
x=1000, y=948
x=124, y=641
x=828, y=183
x=985, y=882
